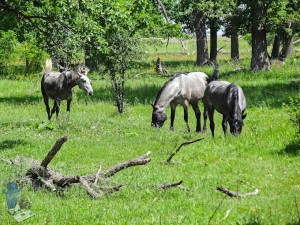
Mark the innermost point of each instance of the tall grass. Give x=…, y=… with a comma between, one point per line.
x=100, y=137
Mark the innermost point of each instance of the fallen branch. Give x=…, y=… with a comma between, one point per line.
x=53, y=151
x=41, y=176
x=183, y=144
x=236, y=194
x=166, y=186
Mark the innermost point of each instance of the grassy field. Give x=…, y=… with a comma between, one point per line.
x=263, y=157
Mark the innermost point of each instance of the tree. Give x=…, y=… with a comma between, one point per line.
x=259, y=59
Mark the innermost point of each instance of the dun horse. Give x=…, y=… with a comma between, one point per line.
x=59, y=86
x=229, y=100
x=183, y=89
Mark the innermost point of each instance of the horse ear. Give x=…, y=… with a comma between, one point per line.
x=244, y=116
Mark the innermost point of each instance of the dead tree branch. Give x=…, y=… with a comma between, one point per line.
x=236, y=194
x=53, y=151
x=166, y=186
x=183, y=144
x=41, y=176
x=158, y=68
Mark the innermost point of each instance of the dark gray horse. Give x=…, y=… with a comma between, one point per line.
x=59, y=86
x=229, y=100
x=183, y=89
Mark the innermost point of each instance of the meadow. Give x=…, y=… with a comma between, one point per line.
x=263, y=156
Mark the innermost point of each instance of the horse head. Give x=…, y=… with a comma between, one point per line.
x=159, y=116
x=84, y=82
x=236, y=123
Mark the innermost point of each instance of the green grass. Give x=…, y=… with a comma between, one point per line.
x=100, y=137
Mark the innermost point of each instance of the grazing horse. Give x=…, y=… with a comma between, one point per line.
x=59, y=86
x=229, y=100
x=183, y=89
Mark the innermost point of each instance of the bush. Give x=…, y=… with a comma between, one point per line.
x=20, y=58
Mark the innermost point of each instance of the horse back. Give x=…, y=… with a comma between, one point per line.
x=216, y=96
x=221, y=95
x=194, y=85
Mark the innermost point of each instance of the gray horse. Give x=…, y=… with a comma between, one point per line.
x=183, y=89
x=229, y=100
x=59, y=86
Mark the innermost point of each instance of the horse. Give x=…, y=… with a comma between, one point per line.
x=59, y=86
x=229, y=100
x=183, y=89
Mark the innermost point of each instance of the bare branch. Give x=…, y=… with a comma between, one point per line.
x=53, y=151
x=165, y=186
x=87, y=187
x=236, y=194
x=183, y=144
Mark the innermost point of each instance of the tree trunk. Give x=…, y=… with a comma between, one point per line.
x=287, y=42
x=260, y=59
x=276, y=46
x=235, y=54
x=213, y=43
x=201, y=38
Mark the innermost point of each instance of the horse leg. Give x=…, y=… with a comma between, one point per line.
x=53, y=109
x=211, y=120
x=198, y=116
x=173, y=109
x=204, y=119
x=224, y=124
x=46, y=101
x=69, y=100
x=57, y=108
x=186, y=116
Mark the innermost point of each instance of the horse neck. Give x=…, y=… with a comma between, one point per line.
x=72, y=78
x=235, y=99
x=168, y=92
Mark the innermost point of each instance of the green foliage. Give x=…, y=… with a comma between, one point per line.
x=294, y=113
x=8, y=42
x=20, y=58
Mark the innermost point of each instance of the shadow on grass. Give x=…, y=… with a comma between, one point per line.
x=10, y=144
x=270, y=95
x=145, y=94
x=292, y=149
x=19, y=100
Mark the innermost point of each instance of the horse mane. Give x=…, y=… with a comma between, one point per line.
x=166, y=84
x=234, y=92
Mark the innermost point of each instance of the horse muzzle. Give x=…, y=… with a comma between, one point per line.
x=91, y=93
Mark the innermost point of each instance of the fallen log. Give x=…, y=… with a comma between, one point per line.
x=41, y=176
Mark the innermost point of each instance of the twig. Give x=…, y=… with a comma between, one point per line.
x=212, y=216
x=97, y=175
x=53, y=151
x=221, y=48
x=236, y=194
x=166, y=186
x=183, y=144
x=87, y=187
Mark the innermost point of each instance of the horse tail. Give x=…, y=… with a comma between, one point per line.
x=48, y=67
